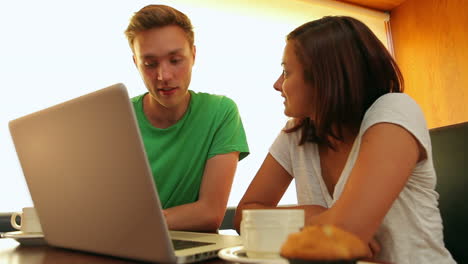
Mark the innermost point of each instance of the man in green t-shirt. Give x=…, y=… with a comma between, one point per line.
x=193, y=140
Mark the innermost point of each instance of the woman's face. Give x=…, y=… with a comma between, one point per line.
x=296, y=92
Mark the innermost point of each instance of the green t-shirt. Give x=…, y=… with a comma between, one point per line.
x=178, y=154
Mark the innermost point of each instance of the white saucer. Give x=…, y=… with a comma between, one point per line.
x=237, y=254
x=26, y=238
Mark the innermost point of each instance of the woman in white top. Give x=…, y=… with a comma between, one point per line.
x=358, y=148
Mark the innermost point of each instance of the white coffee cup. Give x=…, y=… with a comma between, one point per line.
x=263, y=231
x=29, y=221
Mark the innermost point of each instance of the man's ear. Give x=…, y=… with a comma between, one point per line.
x=134, y=60
x=194, y=52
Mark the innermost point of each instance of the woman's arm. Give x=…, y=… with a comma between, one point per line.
x=266, y=190
x=387, y=157
x=207, y=213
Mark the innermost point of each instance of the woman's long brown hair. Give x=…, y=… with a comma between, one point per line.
x=348, y=68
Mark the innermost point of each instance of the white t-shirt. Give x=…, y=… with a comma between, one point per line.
x=411, y=231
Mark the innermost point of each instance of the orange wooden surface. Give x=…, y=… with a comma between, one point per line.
x=382, y=5
x=430, y=39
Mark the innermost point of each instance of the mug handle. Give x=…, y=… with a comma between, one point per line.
x=13, y=220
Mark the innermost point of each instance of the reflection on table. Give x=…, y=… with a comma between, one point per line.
x=12, y=252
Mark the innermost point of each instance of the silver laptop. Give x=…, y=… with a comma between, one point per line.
x=89, y=179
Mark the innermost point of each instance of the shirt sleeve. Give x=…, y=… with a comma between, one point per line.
x=230, y=134
x=402, y=110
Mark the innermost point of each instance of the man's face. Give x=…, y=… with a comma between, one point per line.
x=164, y=59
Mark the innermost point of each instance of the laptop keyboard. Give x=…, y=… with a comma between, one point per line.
x=184, y=244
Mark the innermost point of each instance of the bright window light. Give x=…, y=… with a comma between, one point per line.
x=52, y=51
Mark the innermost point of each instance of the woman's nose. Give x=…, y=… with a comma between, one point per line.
x=278, y=84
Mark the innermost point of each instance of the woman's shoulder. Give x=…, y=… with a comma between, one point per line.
x=394, y=100
x=290, y=123
x=290, y=135
x=399, y=109
x=394, y=107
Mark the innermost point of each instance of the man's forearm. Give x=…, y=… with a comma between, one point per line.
x=195, y=216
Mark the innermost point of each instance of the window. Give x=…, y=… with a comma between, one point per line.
x=53, y=51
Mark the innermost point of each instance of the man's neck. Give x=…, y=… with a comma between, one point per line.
x=161, y=116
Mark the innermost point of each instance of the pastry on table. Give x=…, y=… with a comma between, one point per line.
x=323, y=244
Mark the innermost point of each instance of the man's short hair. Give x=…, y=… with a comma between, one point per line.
x=155, y=16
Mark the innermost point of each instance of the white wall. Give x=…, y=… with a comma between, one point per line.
x=52, y=51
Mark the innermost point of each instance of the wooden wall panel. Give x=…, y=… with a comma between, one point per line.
x=381, y=5
x=430, y=39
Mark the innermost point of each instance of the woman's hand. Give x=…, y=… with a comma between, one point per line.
x=374, y=247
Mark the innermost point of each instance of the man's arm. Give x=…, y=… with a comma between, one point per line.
x=207, y=213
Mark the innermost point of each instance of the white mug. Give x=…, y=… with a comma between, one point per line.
x=263, y=231
x=29, y=221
